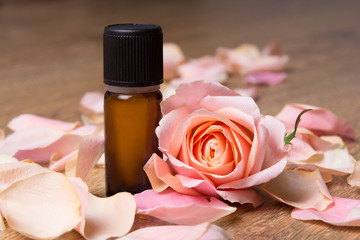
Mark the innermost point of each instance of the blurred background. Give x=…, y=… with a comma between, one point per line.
x=51, y=51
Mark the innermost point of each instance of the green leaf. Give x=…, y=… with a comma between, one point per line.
x=290, y=136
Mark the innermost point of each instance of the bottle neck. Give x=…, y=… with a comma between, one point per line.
x=116, y=89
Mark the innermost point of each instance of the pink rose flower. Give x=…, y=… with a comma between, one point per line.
x=216, y=143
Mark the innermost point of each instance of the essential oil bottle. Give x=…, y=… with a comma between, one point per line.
x=133, y=72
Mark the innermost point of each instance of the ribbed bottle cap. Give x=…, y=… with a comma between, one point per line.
x=133, y=55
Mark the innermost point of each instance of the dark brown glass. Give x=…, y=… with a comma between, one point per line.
x=130, y=140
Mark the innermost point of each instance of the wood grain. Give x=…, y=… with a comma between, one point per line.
x=51, y=53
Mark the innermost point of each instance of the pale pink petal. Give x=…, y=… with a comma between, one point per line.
x=190, y=95
x=39, y=143
x=207, y=68
x=12, y=172
x=343, y=212
x=59, y=164
x=92, y=102
x=256, y=179
x=167, y=90
x=168, y=125
x=2, y=223
x=173, y=57
x=241, y=196
x=203, y=231
x=319, y=120
x=29, y=120
x=174, y=207
x=262, y=64
x=244, y=104
x=328, y=153
x=161, y=176
x=273, y=48
x=42, y=152
x=268, y=78
x=247, y=58
x=90, y=150
x=354, y=178
x=6, y=158
x=104, y=218
x=247, y=92
x=300, y=188
x=43, y=206
x=85, y=130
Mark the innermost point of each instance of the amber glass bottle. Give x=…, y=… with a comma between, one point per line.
x=133, y=72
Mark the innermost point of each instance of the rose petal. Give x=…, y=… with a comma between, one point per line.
x=173, y=57
x=247, y=58
x=174, y=207
x=273, y=48
x=29, y=120
x=59, y=164
x=246, y=92
x=319, y=120
x=300, y=188
x=92, y=102
x=6, y=158
x=268, y=78
x=201, y=231
x=29, y=204
x=246, y=104
x=39, y=143
x=207, y=68
x=161, y=176
x=12, y=172
x=343, y=212
x=104, y=218
x=329, y=154
x=167, y=90
x=90, y=150
x=241, y=196
x=2, y=223
x=354, y=178
x=190, y=95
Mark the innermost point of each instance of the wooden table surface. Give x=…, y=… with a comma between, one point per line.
x=51, y=54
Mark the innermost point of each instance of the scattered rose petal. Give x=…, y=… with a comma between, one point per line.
x=273, y=48
x=92, y=102
x=300, y=188
x=40, y=143
x=90, y=150
x=173, y=57
x=12, y=172
x=327, y=153
x=354, y=178
x=343, y=212
x=173, y=207
x=203, y=231
x=207, y=68
x=6, y=158
x=268, y=78
x=247, y=58
x=104, y=218
x=246, y=92
x=29, y=120
x=319, y=120
x=42, y=206
x=59, y=164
